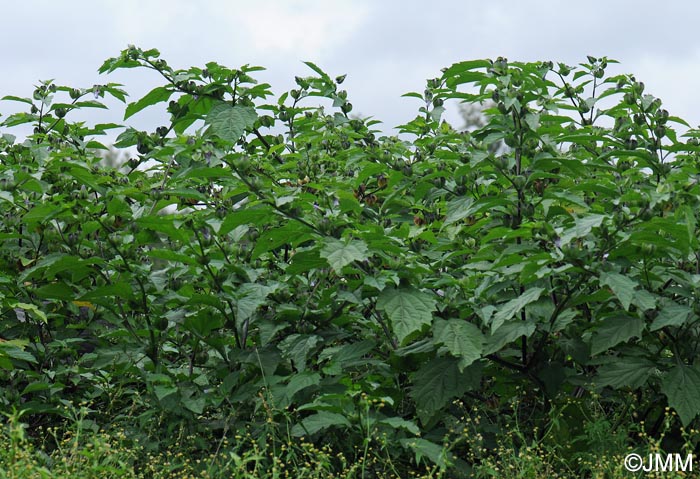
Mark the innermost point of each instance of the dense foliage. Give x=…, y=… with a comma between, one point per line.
x=277, y=266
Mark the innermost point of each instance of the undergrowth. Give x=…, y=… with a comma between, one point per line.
x=82, y=450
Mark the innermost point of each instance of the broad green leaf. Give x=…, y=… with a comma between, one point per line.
x=126, y=138
x=120, y=290
x=170, y=255
x=291, y=233
x=675, y=233
x=42, y=213
x=624, y=371
x=249, y=297
x=174, y=194
x=644, y=300
x=508, y=333
x=9, y=350
x=514, y=306
x=5, y=363
x=400, y=423
x=681, y=121
x=687, y=215
x=564, y=319
x=297, y=347
x=203, y=322
x=320, y=72
x=32, y=308
x=36, y=386
x=163, y=224
x=671, y=314
x=682, y=388
x=28, y=101
x=56, y=291
x=296, y=383
x=19, y=119
x=615, y=330
x=466, y=65
x=552, y=375
x=230, y=122
x=195, y=404
x=90, y=104
x=582, y=226
x=113, y=90
x=439, y=381
x=163, y=391
x=308, y=260
x=268, y=329
x=461, y=338
x=196, y=171
x=156, y=95
x=318, y=422
x=621, y=286
x=198, y=299
x=301, y=381
x=112, y=64
x=53, y=264
x=458, y=209
x=409, y=309
x=341, y=253
x=348, y=352
x=265, y=361
x=424, y=448
x=423, y=346
x=7, y=196
x=532, y=120
x=260, y=214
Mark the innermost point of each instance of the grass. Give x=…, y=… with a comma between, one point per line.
x=81, y=451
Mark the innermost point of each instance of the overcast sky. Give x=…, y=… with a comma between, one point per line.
x=387, y=48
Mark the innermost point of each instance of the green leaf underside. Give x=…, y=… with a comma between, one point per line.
x=615, y=330
x=462, y=339
x=514, y=306
x=318, y=422
x=682, y=388
x=439, y=381
x=621, y=286
x=157, y=95
x=629, y=372
x=340, y=254
x=230, y=122
x=409, y=310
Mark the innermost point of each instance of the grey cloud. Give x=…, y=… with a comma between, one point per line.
x=387, y=48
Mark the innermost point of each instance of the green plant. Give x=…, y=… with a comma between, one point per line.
x=272, y=265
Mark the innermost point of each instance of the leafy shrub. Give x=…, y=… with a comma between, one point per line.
x=278, y=266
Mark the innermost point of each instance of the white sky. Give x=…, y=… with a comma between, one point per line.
x=387, y=48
